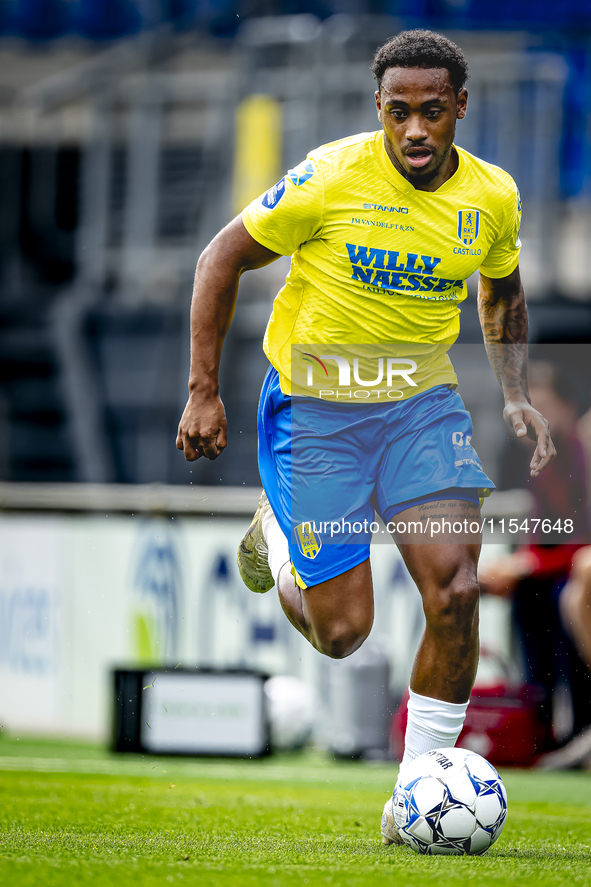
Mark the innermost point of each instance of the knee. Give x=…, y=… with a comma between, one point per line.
x=454, y=606
x=343, y=637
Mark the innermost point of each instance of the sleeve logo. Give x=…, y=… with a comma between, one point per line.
x=300, y=174
x=274, y=195
x=517, y=240
x=468, y=225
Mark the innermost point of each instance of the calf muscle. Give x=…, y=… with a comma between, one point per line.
x=445, y=574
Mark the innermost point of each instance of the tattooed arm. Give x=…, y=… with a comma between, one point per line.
x=503, y=317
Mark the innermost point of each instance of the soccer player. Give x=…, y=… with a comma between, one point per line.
x=383, y=230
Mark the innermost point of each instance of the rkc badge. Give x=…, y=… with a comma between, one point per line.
x=308, y=543
x=468, y=225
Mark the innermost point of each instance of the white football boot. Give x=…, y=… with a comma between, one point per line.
x=390, y=833
x=253, y=553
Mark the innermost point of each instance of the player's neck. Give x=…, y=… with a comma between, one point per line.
x=446, y=171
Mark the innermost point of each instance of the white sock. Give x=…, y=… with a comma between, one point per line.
x=276, y=543
x=432, y=723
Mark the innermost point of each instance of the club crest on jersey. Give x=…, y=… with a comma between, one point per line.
x=308, y=542
x=468, y=225
x=301, y=173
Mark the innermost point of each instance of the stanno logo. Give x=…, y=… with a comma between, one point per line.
x=386, y=209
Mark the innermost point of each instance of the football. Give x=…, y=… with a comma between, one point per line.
x=450, y=801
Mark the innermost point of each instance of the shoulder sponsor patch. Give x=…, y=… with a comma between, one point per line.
x=517, y=240
x=468, y=225
x=300, y=174
x=274, y=195
x=308, y=541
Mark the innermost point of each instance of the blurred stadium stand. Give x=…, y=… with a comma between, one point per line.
x=120, y=158
x=109, y=19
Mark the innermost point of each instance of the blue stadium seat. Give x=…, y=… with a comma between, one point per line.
x=497, y=14
x=39, y=19
x=107, y=19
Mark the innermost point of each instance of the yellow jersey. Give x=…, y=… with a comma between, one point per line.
x=375, y=261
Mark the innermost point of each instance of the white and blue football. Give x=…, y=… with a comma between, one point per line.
x=450, y=801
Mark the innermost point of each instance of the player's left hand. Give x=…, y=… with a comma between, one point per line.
x=527, y=421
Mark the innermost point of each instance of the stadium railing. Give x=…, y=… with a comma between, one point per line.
x=166, y=499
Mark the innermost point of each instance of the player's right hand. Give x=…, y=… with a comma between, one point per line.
x=203, y=430
x=527, y=421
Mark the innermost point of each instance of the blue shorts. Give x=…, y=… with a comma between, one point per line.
x=331, y=463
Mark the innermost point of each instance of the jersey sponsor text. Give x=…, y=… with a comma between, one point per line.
x=391, y=270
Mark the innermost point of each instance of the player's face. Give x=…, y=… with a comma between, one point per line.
x=418, y=109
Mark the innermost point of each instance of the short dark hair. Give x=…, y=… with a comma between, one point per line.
x=420, y=48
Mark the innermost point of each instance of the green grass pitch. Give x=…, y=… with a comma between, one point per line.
x=74, y=814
